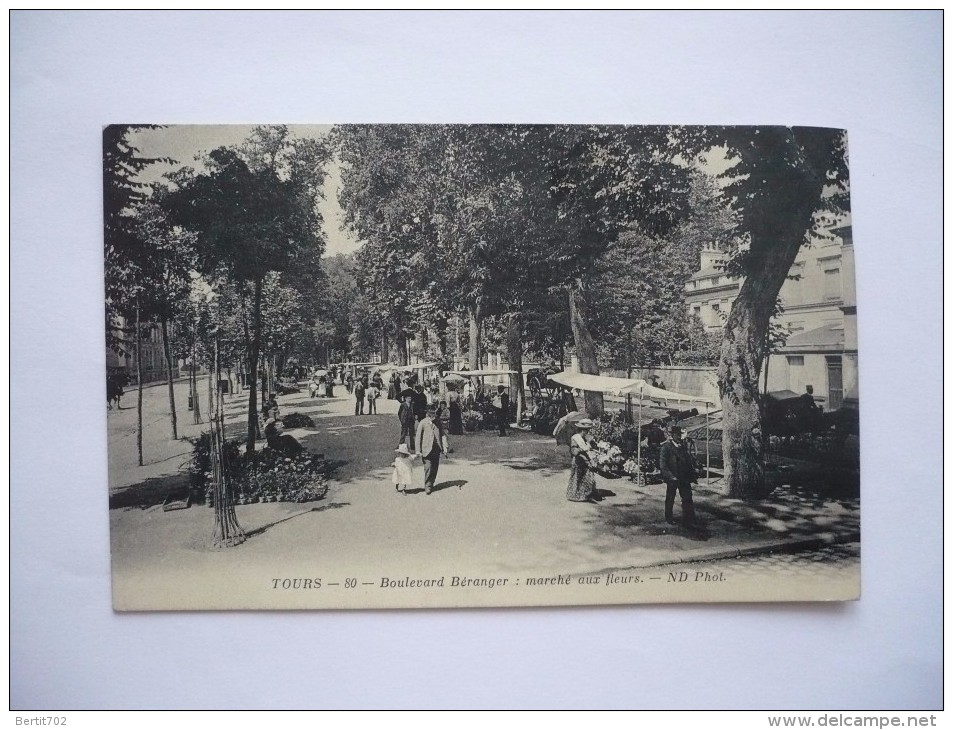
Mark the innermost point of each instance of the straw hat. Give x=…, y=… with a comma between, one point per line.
x=584, y=423
x=402, y=449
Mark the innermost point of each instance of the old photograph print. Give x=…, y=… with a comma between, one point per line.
x=403, y=366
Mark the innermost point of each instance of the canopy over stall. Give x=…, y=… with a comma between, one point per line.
x=497, y=378
x=628, y=387
x=609, y=385
x=353, y=367
x=502, y=376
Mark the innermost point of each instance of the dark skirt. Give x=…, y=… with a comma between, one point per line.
x=456, y=419
x=392, y=392
x=582, y=482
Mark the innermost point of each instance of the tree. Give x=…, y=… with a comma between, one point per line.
x=124, y=255
x=787, y=183
x=123, y=193
x=163, y=263
x=254, y=210
x=605, y=180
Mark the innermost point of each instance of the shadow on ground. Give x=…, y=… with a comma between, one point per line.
x=150, y=492
x=322, y=508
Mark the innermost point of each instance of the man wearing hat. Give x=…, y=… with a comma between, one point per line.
x=501, y=403
x=429, y=445
x=678, y=471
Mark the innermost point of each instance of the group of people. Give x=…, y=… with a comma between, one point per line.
x=367, y=388
x=675, y=462
x=423, y=435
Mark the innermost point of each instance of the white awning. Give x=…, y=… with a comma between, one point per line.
x=621, y=386
x=597, y=383
x=479, y=373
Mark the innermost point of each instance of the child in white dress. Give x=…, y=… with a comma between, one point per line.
x=403, y=469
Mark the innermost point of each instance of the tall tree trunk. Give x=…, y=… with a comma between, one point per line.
x=196, y=411
x=263, y=374
x=139, y=381
x=402, y=355
x=385, y=355
x=167, y=346
x=514, y=354
x=441, y=332
x=476, y=339
x=457, y=349
x=585, y=347
x=742, y=353
x=227, y=531
x=253, y=357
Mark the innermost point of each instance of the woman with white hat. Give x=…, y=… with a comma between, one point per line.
x=582, y=482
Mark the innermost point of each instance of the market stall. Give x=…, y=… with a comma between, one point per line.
x=486, y=382
x=631, y=387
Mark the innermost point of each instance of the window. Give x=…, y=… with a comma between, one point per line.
x=832, y=289
x=796, y=377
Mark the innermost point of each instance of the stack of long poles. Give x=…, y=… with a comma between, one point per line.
x=707, y=447
x=638, y=443
x=227, y=531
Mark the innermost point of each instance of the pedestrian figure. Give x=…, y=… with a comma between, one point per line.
x=283, y=443
x=456, y=413
x=429, y=446
x=393, y=387
x=501, y=402
x=582, y=482
x=405, y=415
x=678, y=471
x=359, y=397
x=349, y=383
x=420, y=403
x=373, y=393
x=403, y=475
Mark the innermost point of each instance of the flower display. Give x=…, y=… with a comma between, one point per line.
x=262, y=476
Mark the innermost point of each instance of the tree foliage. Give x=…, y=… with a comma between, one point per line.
x=253, y=209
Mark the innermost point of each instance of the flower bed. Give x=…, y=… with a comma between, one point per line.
x=298, y=420
x=268, y=476
x=262, y=476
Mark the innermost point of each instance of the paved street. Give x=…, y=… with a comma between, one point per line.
x=499, y=509
x=826, y=563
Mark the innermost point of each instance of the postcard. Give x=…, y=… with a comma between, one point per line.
x=479, y=365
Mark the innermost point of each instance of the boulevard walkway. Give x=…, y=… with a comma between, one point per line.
x=499, y=508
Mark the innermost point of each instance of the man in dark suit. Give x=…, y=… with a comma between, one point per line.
x=678, y=471
x=420, y=403
x=429, y=445
x=359, y=388
x=405, y=415
x=501, y=402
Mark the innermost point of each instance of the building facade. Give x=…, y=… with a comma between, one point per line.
x=153, y=357
x=819, y=316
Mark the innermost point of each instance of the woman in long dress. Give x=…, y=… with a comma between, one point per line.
x=456, y=413
x=582, y=482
